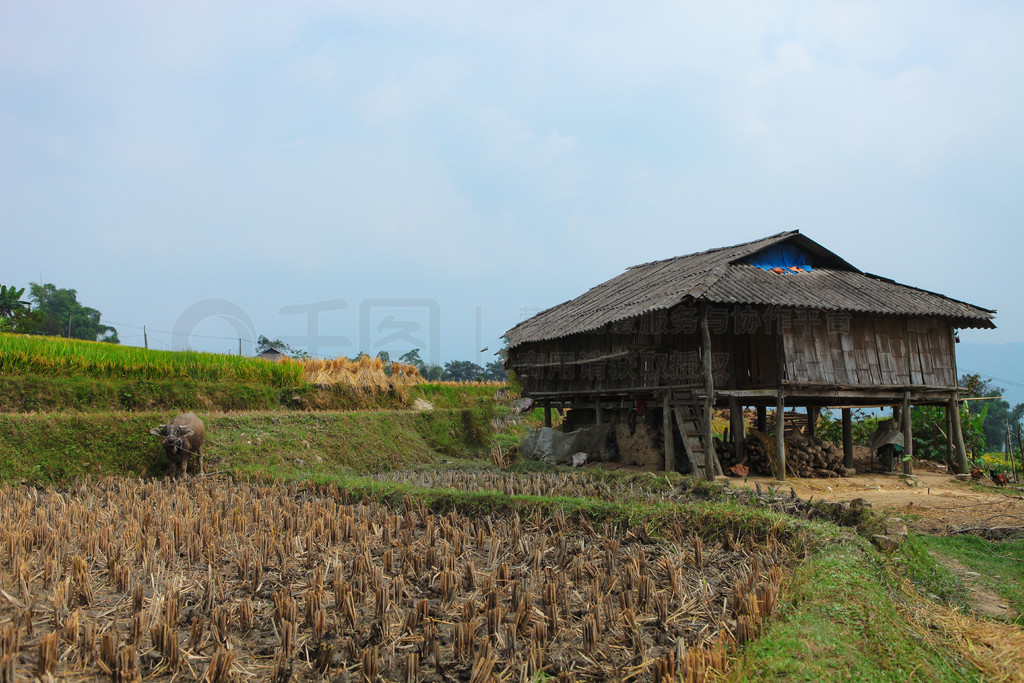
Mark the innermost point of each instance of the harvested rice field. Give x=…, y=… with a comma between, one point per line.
x=220, y=580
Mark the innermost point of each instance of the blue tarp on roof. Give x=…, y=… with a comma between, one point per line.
x=785, y=256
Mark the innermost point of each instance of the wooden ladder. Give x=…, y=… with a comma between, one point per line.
x=690, y=419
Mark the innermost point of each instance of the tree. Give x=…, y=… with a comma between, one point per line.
x=495, y=371
x=263, y=344
x=16, y=314
x=61, y=315
x=998, y=410
x=11, y=302
x=431, y=372
x=462, y=371
x=1017, y=414
x=413, y=358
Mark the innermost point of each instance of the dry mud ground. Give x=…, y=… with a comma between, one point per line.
x=940, y=504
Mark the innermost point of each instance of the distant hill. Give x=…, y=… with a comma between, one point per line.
x=1005, y=362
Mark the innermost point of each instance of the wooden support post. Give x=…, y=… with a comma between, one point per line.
x=780, y=405
x=670, y=440
x=950, y=460
x=847, y=438
x=958, y=436
x=762, y=419
x=812, y=420
x=709, y=401
x=908, y=436
x=547, y=413
x=780, y=436
x=736, y=425
x=598, y=413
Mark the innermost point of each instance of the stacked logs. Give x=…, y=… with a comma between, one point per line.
x=806, y=456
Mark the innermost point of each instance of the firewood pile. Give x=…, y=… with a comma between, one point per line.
x=806, y=456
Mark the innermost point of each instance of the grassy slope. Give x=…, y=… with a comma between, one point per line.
x=59, y=447
x=21, y=393
x=837, y=621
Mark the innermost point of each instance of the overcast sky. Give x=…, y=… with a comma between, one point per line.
x=442, y=169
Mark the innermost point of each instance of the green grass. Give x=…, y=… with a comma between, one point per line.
x=449, y=396
x=837, y=621
x=704, y=518
x=999, y=563
x=50, y=356
x=51, y=448
x=36, y=393
x=21, y=393
x=913, y=561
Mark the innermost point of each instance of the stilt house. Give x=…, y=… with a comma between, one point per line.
x=780, y=321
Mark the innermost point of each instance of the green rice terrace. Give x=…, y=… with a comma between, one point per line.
x=392, y=533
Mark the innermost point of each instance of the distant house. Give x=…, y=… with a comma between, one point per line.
x=780, y=321
x=272, y=354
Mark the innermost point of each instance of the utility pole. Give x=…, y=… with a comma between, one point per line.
x=145, y=338
x=239, y=346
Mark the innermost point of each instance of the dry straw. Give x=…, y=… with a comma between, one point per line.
x=365, y=374
x=232, y=580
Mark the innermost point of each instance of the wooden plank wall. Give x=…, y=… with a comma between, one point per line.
x=636, y=353
x=873, y=352
x=648, y=353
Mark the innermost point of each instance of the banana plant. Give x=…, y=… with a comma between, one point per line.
x=10, y=301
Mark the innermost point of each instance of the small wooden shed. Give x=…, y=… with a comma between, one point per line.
x=780, y=321
x=272, y=354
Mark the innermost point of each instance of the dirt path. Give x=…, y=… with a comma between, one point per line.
x=939, y=504
x=985, y=601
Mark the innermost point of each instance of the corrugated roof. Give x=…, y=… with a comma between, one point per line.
x=721, y=276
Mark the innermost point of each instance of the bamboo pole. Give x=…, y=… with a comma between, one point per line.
x=1009, y=449
x=1020, y=449
x=908, y=436
x=949, y=441
x=958, y=435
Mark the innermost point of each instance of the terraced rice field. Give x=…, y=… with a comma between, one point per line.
x=224, y=580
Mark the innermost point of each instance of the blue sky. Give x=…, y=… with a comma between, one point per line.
x=463, y=164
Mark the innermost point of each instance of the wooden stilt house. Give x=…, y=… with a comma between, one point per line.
x=777, y=322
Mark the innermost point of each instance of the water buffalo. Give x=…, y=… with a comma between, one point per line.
x=182, y=437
